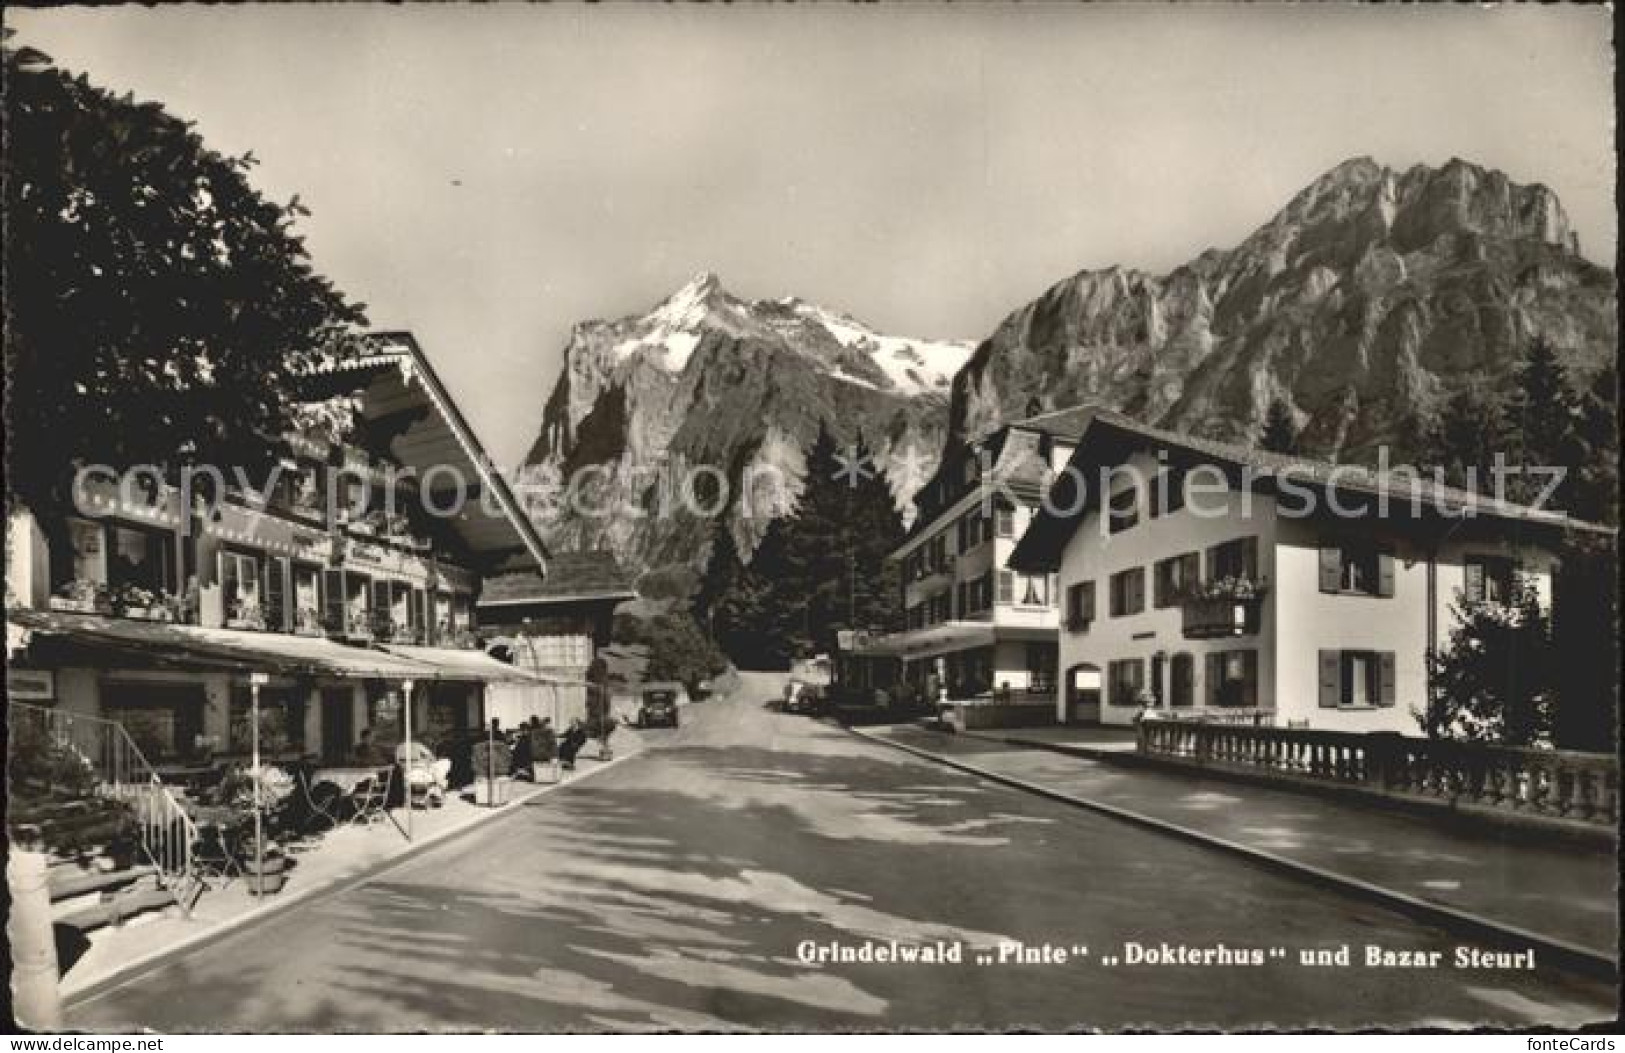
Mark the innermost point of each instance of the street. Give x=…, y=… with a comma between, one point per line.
x=672, y=892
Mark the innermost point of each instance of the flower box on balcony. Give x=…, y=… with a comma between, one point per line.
x=72, y=604
x=1211, y=617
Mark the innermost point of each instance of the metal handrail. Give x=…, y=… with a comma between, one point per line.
x=167, y=834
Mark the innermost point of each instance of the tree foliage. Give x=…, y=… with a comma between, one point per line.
x=821, y=569
x=678, y=648
x=151, y=290
x=1496, y=680
x=1280, y=431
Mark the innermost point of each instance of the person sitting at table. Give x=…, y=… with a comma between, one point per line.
x=524, y=755
x=369, y=752
x=424, y=769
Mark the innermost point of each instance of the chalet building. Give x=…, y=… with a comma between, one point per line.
x=1220, y=582
x=974, y=627
x=157, y=615
x=553, y=625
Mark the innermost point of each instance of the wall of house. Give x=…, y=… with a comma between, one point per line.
x=1214, y=516
x=28, y=562
x=1312, y=620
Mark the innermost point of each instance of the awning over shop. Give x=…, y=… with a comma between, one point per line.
x=63, y=638
x=455, y=664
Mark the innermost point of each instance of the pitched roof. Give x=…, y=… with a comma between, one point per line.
x=381, y=352
x=1040, y=546
x=581, y=575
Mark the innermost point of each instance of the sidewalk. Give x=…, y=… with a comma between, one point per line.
x=1565, y=893
x=338, y=855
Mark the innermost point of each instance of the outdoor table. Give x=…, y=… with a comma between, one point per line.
x=345, y=779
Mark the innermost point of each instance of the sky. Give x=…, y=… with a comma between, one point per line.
x=486, y=176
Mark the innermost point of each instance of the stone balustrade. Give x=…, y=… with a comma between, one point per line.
x=1544, y=784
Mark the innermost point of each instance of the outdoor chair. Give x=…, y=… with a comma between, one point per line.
x=214, y=857
x=320, y=808
x=370, y=798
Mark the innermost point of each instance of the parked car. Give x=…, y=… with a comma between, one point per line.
x=657, y=706
x=801, y=697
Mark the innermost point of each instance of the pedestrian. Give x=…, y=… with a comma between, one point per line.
x=574, y=738
x=523, y=755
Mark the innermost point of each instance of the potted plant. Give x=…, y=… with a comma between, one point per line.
x=83, y=596
x=135, y=601
x=308, y=621
x=245, y=614
x=264, y=865
x=492, y=762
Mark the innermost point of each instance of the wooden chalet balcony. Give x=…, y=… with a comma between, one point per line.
x=1214, y=617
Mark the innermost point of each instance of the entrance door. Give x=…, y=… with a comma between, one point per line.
x=338, y=724
x=1083, y=694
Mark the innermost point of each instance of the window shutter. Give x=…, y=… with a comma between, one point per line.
x=1331, y=679
x=1249, y=557
x=276, y=591
x=334, y=600
x=1475, y=581
x=1331, y=568
x=1159, y=583
x=1385, y=574
x=1388, y=690
x=1007, y=586
x=1212, y=675
x=1138, y=580
x=228, y=578
x=1249, y=664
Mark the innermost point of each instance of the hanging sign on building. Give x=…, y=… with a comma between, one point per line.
x=31, y=685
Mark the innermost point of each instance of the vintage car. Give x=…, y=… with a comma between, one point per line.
x=657, y=705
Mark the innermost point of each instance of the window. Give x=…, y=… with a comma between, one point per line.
x=1233, y=559
x=240, y=589
x=1167, y=493
x=1489, y=579
x=1080, y=606
x=1124, y=509
x=1007, y=587
x=1182, y=680
x=164, y=720
x=1356, y=567
x=87, y=553
x=282, y=720
x=1357, y=679
x=1128, y=592
x=1232, y=678
x=307, y=598
x=1176, y=577
x=1125, y=679
x=1004, y=522
x=277, y=613
x=1033, y=589
x=140, y=558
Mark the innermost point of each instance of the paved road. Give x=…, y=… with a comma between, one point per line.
x=673, y=891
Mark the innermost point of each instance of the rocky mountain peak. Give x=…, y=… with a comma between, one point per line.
x=1364, y=301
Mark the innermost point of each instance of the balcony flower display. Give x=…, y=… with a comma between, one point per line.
x=1230, y=588
x=136, y=601
x=308, y=620
x=245, y=614
x=83, y=595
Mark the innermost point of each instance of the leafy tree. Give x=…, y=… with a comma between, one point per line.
x=1496, y=681
x=157, y=304
x=1280, y=431
x=678, y=648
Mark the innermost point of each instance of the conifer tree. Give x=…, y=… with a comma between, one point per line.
x=1280, y=431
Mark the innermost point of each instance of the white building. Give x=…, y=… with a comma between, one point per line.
x=1225, y=582
x=972, y=625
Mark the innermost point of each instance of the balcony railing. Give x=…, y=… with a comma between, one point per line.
x=1226, y=613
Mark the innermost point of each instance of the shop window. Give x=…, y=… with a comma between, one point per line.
x=1125, y=679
